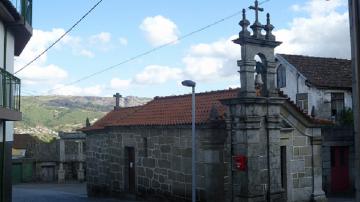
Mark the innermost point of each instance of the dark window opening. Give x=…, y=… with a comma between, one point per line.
x=302, y=101
x=281, y=76
x=337, y=105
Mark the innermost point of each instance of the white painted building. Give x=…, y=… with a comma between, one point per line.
x=319, y=86
x=322, y=87
x=15, y=32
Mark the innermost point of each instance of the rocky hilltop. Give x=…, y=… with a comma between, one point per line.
x=44, y=116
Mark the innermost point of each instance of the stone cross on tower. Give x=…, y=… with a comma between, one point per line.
x=254, y=118
x=257, y=9
x=257, y=45
x=256, y=27
x=117, y=102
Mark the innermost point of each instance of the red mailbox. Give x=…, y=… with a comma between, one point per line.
x=240, y=162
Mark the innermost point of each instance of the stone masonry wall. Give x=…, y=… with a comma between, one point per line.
x=299, y=165
x=164, y=168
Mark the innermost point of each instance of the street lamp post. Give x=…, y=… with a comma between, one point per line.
x=192, y=84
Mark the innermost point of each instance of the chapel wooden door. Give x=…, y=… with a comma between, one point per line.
x=340, y=181
x=131, y=168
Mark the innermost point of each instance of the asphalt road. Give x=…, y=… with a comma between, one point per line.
x=74, y=193
x=55, y=193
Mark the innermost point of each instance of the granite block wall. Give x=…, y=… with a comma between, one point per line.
x=162, y=162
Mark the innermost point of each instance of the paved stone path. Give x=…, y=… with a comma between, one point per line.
x=55, y=193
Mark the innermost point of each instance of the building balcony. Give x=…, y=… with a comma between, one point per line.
x=17, y=16
x=9, y=97
x=24, y=8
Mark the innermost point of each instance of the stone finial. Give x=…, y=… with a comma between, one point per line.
x=244, y=23
x=87, y=122
x=117, y=101
x=256, y=27
x=268, y=28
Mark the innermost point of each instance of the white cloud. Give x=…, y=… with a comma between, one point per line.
x=45, y=74
x=120, y=84
x=38, y=43
x=203, y=62
x=60, y=89
x=325, y=32
x=102, y=37
x=123, y=41
x=206, y=62
x=40, y=71
x=93, y=90
x=159, y=30
x=86, y=53
x=156, y=74
x=296, y=7
x=322, y=8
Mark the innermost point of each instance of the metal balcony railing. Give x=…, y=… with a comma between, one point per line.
x=9, y=91
x=24, y=7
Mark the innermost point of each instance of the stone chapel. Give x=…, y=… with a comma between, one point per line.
x=253, y=143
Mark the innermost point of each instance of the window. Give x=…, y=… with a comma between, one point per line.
x=281, y=76
x=302, y=101
x=337, y=105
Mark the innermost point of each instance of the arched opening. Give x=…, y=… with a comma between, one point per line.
x=260, y=75
x=281, y=76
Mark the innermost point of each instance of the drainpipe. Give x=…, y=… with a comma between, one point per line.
x=4, y=122
x=297, y=82
x=312, y=165
x=231, y=157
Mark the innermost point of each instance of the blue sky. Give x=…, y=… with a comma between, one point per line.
x=118, y=30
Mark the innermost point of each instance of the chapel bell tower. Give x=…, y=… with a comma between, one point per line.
x=257, y=77
x=253, y=117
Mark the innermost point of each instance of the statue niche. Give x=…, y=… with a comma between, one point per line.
x=260, y=75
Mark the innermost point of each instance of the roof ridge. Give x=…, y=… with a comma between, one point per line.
x=317, y=57
x=197, y=94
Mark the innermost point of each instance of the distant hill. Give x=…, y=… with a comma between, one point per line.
x=44, y=116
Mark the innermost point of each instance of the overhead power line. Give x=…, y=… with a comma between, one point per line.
x=147, y=52
x=61, y=37
x=152, y=50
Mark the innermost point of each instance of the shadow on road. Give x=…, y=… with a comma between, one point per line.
x=72, y=192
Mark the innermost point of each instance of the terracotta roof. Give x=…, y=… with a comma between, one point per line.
x=114, y=117
x=21, y=141
x=170, y=110
x=174, y=110
x=323, y=72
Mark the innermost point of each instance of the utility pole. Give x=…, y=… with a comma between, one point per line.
x=354, y=8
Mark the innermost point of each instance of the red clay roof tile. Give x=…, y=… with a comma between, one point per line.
x=170, y=110
x=323, y=72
